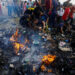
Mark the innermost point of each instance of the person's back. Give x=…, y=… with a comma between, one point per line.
x=71, y=12
x=66, y=13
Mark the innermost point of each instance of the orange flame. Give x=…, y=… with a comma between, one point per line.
x=17, y=46
x=49, y=70
x=34, y=69
x=48, y=59
x=43, y=68
x=14, y=36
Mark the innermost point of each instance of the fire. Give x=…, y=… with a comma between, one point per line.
x=49, y=70
x=17, y=47
x=34, y=69
x=14, y=39
x=48, y=59
x=43, y=68
x=14, y=36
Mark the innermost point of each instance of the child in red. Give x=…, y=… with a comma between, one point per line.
x=65, y=17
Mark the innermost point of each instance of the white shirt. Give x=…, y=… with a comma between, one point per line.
x=60, y=12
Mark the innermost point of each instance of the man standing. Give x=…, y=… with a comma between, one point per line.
x=10, y=7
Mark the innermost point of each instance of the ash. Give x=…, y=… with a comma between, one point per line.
x=30, y=57
x=25, y=59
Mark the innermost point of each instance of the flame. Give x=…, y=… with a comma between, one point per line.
x=14, y=39
x=43, y=68
x=48, y=59
x=14, y=36
x=49, y=70
x=17, y=47
x=34, y=69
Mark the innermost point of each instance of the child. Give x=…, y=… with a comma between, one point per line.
x=40, y=23
x=44, y=18
x=25, y=20
x=27, y=5
x=65, y=17
x=60, y=13
x=37, y=24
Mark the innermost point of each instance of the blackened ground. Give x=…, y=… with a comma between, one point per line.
x=11, y=64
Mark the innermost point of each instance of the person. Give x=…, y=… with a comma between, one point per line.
x=25, y=4
x=71, y=15
x=60, y=13
x=66, y=16
x=16, y=8
x=25, y=20
x=44, y=19
x=66, y=3
x=30, y=3
x=58, y=3
x=9, y=9
x=37, y=24
x=53, y=15
x=47, y=4
x=37, y=10
x=55, y=3
x=21, y=8
x=0, y=9
x=40, y=23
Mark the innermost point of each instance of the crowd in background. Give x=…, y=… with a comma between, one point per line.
x=55, y=15
x=13, y=7
x=52, y=13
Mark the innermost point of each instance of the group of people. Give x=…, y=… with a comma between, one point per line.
x=38, y=15
x=14, y=7
x=59, y=17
